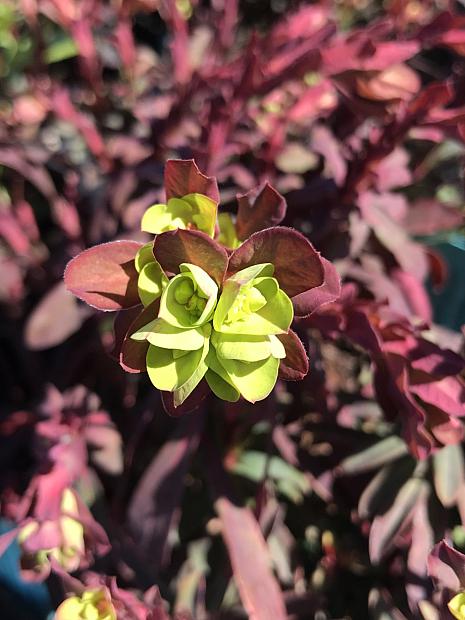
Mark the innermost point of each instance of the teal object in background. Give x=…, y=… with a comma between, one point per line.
x=449, y=303
x=20, y=600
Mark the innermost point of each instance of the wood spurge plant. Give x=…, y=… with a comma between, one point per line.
x=209, y=313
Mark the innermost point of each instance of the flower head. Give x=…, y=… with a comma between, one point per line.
x=212, y=313
x=457, y=606
x=61, y=539
x=190, y=211
x=91, y=605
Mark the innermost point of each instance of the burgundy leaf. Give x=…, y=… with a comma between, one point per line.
x=260, y=208
x=447, y=566
x=309, y=301
x=192, y=402
x=295, y=365
x=190, y=246
x=298, y=267
x=386, y=527
x=447, y=395
x=105, y=276
x=259, y=590
x=133, y=353
x=57, y=316
x=122, y=323
x=428, y=217
x=160, y=490
x=182, y=177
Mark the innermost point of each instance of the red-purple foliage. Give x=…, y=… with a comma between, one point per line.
x=343, y=121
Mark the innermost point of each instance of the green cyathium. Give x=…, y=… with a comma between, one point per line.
x=190, y=211
x=229, y=336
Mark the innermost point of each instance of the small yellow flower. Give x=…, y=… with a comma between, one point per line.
x=457, y=606
x=92, y=605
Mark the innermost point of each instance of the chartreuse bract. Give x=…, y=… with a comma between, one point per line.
x=200, y=305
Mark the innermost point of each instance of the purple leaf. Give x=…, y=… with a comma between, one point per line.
x=159, y=491
x=182, y=177
x=447, y=395
x=192, y=402
x=447, y=566
x=329, y=291
x=259, y=590
x=190, y=246
x=387, y=526
x=105, y=276
x=260, y=208
x=298, y=267
x=133, y=353
x=294, y=366
x=56, y=317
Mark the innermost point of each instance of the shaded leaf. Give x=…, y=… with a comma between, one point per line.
x=133, y=353
x=449, y=474
x=159, y=492
x=385, y=527
x=380, y=453
x=56, y=317
x=259, y=590
x=447, y=566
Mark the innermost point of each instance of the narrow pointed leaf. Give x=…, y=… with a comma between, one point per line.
x=449, y=475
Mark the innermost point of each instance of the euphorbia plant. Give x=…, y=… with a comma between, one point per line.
x=203, y=315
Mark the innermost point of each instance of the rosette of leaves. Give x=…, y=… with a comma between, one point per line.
x=199, y=317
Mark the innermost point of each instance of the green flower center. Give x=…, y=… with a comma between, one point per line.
x=247, y=301
x=188, y=295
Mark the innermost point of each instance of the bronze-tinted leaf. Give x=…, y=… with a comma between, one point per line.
x=295, y=365
x=260, y=208
x=190, y=246
x=104, y=276
x=298, y=266
x=133, y=352
x=329, y=291
x=182, y=177
x=57, y=316
x=250, y=561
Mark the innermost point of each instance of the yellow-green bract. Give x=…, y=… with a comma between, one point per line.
x=192, y=210
x=228, y=336
x=457, y=606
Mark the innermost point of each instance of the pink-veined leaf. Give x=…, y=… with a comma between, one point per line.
x=105, y=276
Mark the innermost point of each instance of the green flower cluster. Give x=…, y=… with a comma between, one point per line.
x=229, y=335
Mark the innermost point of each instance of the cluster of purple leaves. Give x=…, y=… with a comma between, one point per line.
x=342, y=483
